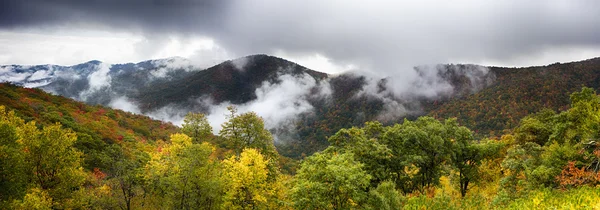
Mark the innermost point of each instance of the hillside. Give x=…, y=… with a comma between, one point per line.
x=518, y=92
x=97, y=127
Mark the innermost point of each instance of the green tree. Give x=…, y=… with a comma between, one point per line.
x=196, y=126
x=366, y=147
x=34, y=158
x=427, y=148
x=247, y=130
x=385, y=197
x=536, y=128
x=547, y=141
x=517, y=165
x=330, y=181
x=125, y=165
x=465, y=156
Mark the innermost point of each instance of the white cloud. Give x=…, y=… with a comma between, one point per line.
x=125, y=104
x=41, y=74
x=100, y=78
x=73, y=47
x=5, y=69
x=167, y=65
x=240, y=63
x=97, y=80
x=277, y=104
x=8, y=75
x=36, y=84
x=65, y=48
x=317, y=62
x=169, y=114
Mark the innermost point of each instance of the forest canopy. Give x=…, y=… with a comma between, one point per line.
x=550, y=160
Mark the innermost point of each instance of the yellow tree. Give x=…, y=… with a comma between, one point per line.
x=52, y=161
x=185, y=175
x=247, y=130
x=246, y=181
x=13, y=179
x=47, y=159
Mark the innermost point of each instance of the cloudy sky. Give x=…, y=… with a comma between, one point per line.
x=384, y=37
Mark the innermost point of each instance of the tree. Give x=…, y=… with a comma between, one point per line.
x=398, y=165
x=465, y=156
x=366, y=147
x=246, y=181
x=536, y=128
x=42, y=159
x=13, y=176
x=125, y=172
x=185, y=176
x=427, y=148
x=35, y=199
x=196, y=126
x=385, y=197
x=584, y=115
x=330, y=181
x=517, y=164
x=54, y=164
x=247, y=130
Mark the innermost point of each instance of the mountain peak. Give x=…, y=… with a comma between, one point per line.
x=234, y=80
x=94, y=62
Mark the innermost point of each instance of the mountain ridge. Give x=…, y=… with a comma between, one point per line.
x=305, y=107
x=243, y=74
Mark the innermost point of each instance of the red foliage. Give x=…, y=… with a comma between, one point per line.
x=98, y=174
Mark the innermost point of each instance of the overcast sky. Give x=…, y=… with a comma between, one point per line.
x=384, y=37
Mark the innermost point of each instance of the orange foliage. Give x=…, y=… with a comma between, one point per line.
x=98, y=174
x=571, y=176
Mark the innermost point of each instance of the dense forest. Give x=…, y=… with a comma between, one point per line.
x=516, y=93
x=57, y=153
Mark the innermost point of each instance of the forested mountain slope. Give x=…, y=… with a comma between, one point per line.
x=518, y=92
x=233, y=81
x=96, y=127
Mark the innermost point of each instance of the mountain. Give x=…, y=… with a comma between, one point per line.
x=95, y=82
x=518, y=92
x=235, y=81
x=302, y=107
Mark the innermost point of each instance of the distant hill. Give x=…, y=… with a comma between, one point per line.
x=518, y=92
x=95, y=82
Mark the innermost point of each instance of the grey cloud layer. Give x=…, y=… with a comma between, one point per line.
x=383, y=36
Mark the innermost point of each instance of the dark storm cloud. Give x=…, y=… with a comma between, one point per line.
x=382, y=36
x=150, y=16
